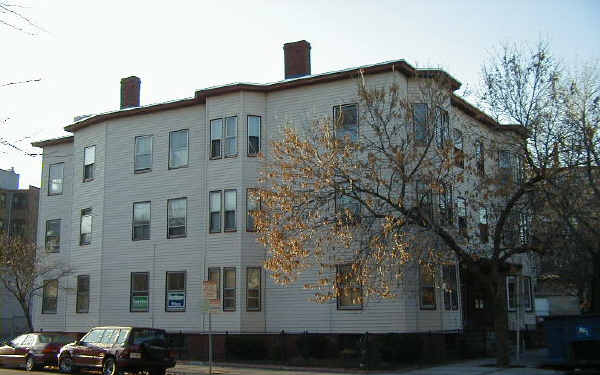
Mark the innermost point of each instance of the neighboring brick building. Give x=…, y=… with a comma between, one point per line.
x=18, y=217
x=147, y=202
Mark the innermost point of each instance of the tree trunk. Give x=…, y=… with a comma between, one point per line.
x=25, y=308
x=497, y=289
x=595, y=292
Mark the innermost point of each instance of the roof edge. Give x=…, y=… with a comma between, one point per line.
x=53, y=141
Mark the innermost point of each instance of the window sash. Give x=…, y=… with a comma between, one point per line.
x=254, y=128
x=176, y=217
x=175, y=285
x=82, y=303
x=216, y=134
x=215, y=211
x=50, y=297
x=230, y=210
x=141, y=221
x=178, y=148
x=229, y=293
x=139, y=288
x=55, y=179
x=52, y=235
x=442, y=128
x=89, y=160
x=143, y=153
x=230, y=136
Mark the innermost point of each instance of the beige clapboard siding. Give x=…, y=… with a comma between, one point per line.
x=113, y=256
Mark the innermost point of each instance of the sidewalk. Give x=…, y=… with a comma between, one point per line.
x=525, y=366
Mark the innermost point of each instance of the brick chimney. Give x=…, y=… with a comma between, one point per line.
x=130, y=92
x=297, y=59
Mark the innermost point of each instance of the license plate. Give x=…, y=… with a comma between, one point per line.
x=135, y=355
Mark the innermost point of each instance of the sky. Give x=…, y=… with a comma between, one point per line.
x=81, y=49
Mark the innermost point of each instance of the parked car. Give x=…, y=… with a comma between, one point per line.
x=33, y=350
x=117, y=349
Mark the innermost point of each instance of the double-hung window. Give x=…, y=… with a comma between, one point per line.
x=511, y=290
x=252, y=206
x=450, y=287
x=176, y=217
x=230, y=210
x=89, y=162
x=459, y=154
x=345, y=118
x=49, y=296
x=349, y=288
x=53, y=235
x=445, y=205
x=483, y=225
x=461, y=208
x=480, y=158
x=215, y=211
x=85, y=231
x=253, y=135
x=230, y=136
x=524, y=220
x=143, y=153
x=19, y=201
x=424, y=198
x=178, y=149
x=216, y=134
x=229, y=280
x=420, y=123
x=427, y=288
x=442, y=127
x=141, y=221
x=55, y=178
x=139, y=292
x=253, y=288
x=82, y=304
x=175, y=295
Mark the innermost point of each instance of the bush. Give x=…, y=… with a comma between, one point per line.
x=399, y=348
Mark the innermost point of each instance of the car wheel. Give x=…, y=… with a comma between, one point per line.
x=30, y=364
x=110, y=367
x=65, y=364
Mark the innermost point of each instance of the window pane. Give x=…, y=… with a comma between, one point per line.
x=229, y=278
x=86, y=224
x=216, y=129
x=141, y=212
x=178, y=147
x=89, y=155
x=458, y=139
x=177, y=210
x=175, y=281
x=139, y=281
x=230, y=127
x=53, y=235
x=215, y=201
x=253, y=278
x=483, y=215
x=420, y=120
x=461, y=207
x=230, y=200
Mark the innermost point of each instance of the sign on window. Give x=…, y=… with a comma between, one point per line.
x=176, y=300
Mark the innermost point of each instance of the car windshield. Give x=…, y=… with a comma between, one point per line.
x=59, y=339
x=151, y=336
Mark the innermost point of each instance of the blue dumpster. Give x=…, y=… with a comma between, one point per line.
x=573, y=339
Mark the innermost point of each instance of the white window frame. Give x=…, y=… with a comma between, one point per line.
x=213, y=210
x=52, y=181
x=136, y=167
x=172, y=151
x=89, y=163
x=135, y=224
x=170, y=218
x=253, y=153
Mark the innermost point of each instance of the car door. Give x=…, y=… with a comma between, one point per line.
x=82, y=354
x=7, y=351
x=96, y=349
x=22, y=350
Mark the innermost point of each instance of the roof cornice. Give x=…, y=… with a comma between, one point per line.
x=53, y=141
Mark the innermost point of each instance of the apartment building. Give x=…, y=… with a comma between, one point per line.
x=18, y=217
x=147, y=202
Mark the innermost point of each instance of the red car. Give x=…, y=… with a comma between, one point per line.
x=118, y=349
x=33, y=350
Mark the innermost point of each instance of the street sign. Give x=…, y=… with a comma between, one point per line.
x=210, y=290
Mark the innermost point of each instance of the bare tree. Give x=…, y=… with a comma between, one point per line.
x=23, y=273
